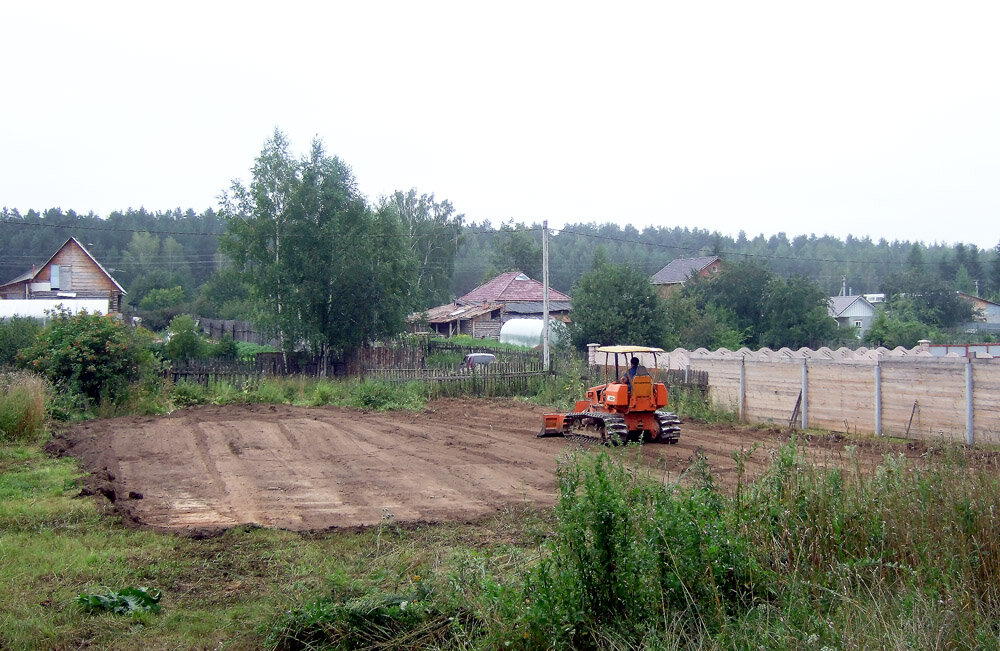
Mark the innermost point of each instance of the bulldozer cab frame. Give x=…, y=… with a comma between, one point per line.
x=621, y=375
x=623, y=408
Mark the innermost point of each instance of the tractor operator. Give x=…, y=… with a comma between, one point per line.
x=634, y=369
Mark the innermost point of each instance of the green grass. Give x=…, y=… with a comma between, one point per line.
x=235, y=589
x=905, y=555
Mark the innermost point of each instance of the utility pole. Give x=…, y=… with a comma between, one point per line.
x=545, y=294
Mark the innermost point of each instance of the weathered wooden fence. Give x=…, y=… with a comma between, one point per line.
x=238, y=330
x=673, y=377
x=511, y=376
x=204, y=371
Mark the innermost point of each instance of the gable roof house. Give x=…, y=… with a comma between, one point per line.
x=484, y=310
x=672, y=277
x=852, y=311
x=71, y=277
x=985, y=317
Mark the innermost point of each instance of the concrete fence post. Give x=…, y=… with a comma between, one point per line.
x=970, y=426
x=805, y=393
x=878, y=399
x=743, y=390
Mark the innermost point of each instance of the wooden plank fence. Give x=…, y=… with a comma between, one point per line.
x=673, y=378
x=205, y=371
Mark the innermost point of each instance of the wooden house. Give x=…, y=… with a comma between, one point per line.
x=71, y=277
x=853, y=311
x=483, y=311
x=673, y=276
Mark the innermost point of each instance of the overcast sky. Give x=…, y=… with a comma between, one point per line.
x=861, y=118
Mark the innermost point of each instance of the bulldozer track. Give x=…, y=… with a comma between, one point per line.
x=611, y=426
x=670, y=427
x=614, y=430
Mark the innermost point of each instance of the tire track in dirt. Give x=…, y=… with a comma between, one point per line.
x=306, y=468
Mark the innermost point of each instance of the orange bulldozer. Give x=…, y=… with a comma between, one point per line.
x=627, y=407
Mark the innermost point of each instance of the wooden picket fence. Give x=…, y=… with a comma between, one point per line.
x=673, y=378
x=205, y=371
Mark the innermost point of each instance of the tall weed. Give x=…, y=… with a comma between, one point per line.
x=24, y=400
x=630, y=553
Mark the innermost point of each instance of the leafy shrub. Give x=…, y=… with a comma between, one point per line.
x=248, y=349
x=186, y=394
x=163, y=297
x=226, y=348
x=23, y=398
x=122, y=602
x=185, y=340
x=90, y=354
x=322, y=394
x=16, y=334
x=385, y=396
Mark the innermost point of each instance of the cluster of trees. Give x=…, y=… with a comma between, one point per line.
x=321, y=264
x=747, y=304
x=860, y=263
x=300, y=251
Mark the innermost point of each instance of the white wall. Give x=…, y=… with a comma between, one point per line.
x=36, y=308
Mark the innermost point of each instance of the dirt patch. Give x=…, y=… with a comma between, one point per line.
x=208, y=468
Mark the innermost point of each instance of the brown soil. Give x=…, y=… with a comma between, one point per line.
x=204, y=469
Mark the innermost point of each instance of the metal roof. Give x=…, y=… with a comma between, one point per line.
x=511, y=286
x=839, y=304
x=679, y=270
x=453, y=312
x=628, y=349
x=535, y=307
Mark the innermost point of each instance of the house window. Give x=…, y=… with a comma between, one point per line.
x=715, y=268
x=857, y=324
x=54, y=277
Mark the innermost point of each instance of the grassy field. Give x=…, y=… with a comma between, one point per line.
x=805, y=557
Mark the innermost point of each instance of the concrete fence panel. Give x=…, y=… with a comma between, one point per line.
x=772, y=390
x=842, y=395
x=924, y=399
x=986, y=401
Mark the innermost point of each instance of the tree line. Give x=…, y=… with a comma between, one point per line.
x=301, y=251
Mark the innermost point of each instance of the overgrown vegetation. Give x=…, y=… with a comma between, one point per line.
x=90, y=355
x=16, y=334
x=24, y=403
x=900, y=556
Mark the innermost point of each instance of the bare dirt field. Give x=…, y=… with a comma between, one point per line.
x=203, y=469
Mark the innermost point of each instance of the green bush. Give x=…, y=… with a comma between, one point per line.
x=90, y=354
x=185, y=341
x=226, y=348
x=16, y=334
x=23, y=406
x=385, y=396
x=164, y=297
x=186, y=394
x=629, y=551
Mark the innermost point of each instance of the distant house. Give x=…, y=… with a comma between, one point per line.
x=854, y=311
x=985, y=311
x=985, y=317
x=482, y=312
x=71, y=277
x=673, y=276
